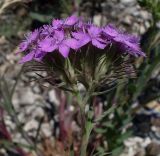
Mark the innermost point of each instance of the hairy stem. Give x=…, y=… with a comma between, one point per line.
x=85, y=138
x=87, y=124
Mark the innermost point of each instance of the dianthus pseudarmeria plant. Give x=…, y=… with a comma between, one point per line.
x=74, y=52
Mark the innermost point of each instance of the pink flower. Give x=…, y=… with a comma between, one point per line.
x=93, y=35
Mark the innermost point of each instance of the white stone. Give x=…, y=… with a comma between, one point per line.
x=158, y=24
x=46, y=130
x=31, y=125
x=145, y=15
x=71, y=108
x=53, y=98
x=10, y=124
x=21, y=117
x=39, y=112
x=146, y=142
x=25, y=96
x=127, y=1
x=127, y=20
x=34, y=111
x=142, y=29
x=97, y=19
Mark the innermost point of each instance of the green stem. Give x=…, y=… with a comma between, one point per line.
x=85, y=138
x=87, y=124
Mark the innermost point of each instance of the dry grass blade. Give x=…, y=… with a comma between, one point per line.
x=4, y=4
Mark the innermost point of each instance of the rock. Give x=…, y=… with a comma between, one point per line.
x=128, y=1
x=34, y=111
x=31, y=125
x=142, y=29
x=25, y=96
x=135, y=146
x=153, y=149
x=147, y=24
x=127, y=20
x=2, y=40
x=39, y=112
x=99, y=20
x=46, y=130
x=158, y=24
x=36, y=89
x=18, y=138
x=21, y=117
x=141, y=152
x=9, y=123
x=145, y=15
x=53, y=98
x=146, y=142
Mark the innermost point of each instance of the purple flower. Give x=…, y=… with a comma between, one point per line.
x=111, y=32
x=27, y=57
x=129, y=40
x=33, y=55
x=127, y=43
x=30, y=45
x=30, y=39
x=70, y=21
x=93, y=35
x=48, y=44
x=73, y=33
x=56, y=23
x=47, y=31
x=58, y=42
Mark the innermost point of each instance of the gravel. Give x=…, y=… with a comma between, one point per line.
x=30, y=99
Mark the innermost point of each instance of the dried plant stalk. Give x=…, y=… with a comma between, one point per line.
x=8, y=3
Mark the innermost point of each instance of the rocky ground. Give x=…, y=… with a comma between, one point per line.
x=36, y=103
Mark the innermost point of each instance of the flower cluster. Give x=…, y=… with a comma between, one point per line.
x=72, y=34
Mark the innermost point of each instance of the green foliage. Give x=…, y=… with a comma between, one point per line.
x=153, y=6
x=111, y=128
x=40, y=17
x=125, y=95
x=44, y=12
x=13, y=25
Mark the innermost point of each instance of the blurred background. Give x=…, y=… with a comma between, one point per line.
x=37, y=120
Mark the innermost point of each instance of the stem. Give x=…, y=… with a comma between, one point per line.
x=85, y=138
x=87, y=124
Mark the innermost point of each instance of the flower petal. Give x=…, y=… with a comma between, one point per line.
x=110, y=31
x=64, y=50
x=27, y=58
x=71, y=20
x=72, y=43
x=78, y=35
x=47, y=45
x=98, y=44
x=39, y=55
x=56, y=23
x=84, y=41
x=32, y=36
x=59, y=36
x=82, y=38
x=94, y=31
x=23, y=46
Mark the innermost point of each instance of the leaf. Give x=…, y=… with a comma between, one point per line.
x=100, y=130
x=40, y=17
x=124, y=136
x=106, y=113
x=117, y=151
